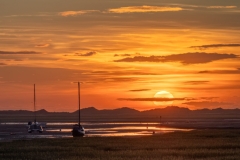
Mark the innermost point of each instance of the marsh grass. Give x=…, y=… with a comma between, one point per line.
x=198, y=144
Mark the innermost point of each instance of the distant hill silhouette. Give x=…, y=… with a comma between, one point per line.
x=93, y=114
x=172, y=110
x=42, y=111
x=118, y=111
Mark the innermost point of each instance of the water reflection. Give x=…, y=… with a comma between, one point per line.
x=58, y=130
x=141, y=128
x=141, y=133
x=41, y=136
x=123, y=130
x=63, y=130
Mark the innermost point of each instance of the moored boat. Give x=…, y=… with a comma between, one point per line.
x=34, y=126
x=78, y=129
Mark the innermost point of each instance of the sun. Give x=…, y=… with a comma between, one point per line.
x=163, y=94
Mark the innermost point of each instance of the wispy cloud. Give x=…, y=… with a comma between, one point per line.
x=126, y=55
x=236, y=71
x=86, y=54
x=215, y=46
x=140, y=9
x=139, y=90
x=41, y=45
x=208, y=98
x=200, y=98
x=19, y=52
x=152, y=99
x=196, y=82
x=118, y=79
x=3, y=64
x=75, y=13
x=33, y=15
x=202, y=6
x=222, y=7
x=144, y=9
x=122, y=55
x=185, y=58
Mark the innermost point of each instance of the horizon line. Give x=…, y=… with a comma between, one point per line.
x=127, y=108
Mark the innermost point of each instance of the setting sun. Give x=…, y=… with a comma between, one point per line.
x=163, y=95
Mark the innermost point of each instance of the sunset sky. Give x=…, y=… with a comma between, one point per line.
x=123, y=51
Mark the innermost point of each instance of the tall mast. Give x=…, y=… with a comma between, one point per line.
x=78, y=103
x=34, y=104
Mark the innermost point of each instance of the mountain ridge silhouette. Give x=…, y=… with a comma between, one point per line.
x=129, y=111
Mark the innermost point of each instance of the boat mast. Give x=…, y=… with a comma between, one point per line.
x=34, y=103
x=79, y=103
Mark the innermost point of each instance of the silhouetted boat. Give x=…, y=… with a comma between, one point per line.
x=78, y=129
x=34, y=126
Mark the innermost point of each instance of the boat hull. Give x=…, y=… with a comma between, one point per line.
x=78, y=131
x=35, y=127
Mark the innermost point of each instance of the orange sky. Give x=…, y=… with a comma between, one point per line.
x=124, y=53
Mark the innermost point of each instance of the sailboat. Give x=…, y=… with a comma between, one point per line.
x=35, y=126
x=78, y=129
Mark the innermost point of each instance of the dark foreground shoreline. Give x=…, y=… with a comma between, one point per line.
x=210, y=144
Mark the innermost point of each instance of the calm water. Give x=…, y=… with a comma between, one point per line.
x=63, y=130
x=122, y=131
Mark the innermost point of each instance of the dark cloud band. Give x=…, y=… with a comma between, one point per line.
x=236, y=71
x=215, y=46
x=86, y=54
x=139, y=90
x=152, y=99
x=3, y=64
x=19, y=52
x=185, y=58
